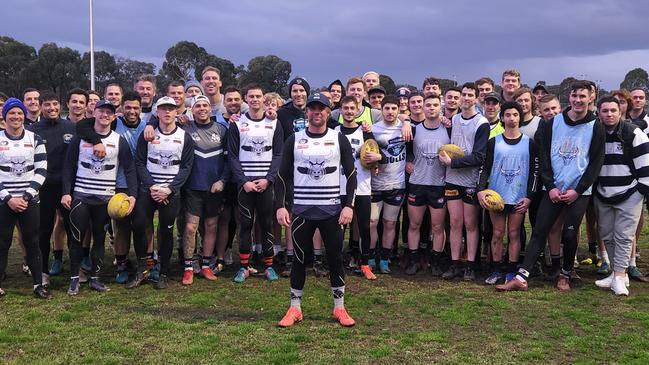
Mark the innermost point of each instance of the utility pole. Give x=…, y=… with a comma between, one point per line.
x=92, y=52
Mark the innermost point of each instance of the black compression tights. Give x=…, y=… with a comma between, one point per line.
x=302, y=231
x=260, y=206
x=145, y=207
x=547, y=215
x=83, y=217
x=29, y=219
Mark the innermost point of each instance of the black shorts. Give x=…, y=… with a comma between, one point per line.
x=456, y=192
x=392, y=197
x=230, y=194
x=419, y=195
x=202, y=203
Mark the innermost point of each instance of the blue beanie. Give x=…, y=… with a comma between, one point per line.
x=13, y=103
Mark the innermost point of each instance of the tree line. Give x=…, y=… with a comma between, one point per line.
x=60, y=69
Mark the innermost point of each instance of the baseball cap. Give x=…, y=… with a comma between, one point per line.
x=198, y=98
x=317, y=97
x=493, y=96
x=377, y=88
x=540, y=86
x=165, y=100
x=105, y=104
x=402, y=92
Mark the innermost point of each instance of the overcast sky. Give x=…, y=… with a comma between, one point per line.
x=336, y=39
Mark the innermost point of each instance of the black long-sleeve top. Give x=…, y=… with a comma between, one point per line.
x=234, y=142
x=186, y=163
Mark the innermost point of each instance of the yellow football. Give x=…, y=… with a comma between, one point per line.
x=118, y=206
x=369, y=146
x=451, y=150
x=495, y=202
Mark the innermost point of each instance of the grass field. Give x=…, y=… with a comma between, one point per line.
x=400, y=320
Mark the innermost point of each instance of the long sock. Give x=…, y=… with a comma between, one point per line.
x=244, y=259
x=339, y=296
x=258, y=248
x=435, y=257
x=289, y=255
x=385, y=253
x=206, y=262
x=188, y=265
x=58, y=255
x=317, y=255
x=414, y=255
x=277, y=249
x=296, y=298
x=121, y=260
x=268, y=261
x=556, y=262
x=496, y=266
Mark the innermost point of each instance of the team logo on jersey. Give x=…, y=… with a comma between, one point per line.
x=195, y=136
x=316, y=168
x=257, y=146
x=396, y=146
x=568, y=150
x=18, y=166
x=165, y=159
x=510, y=168
x=299, y=124
x=214, y=137
x=67, y=138
x=4, y=143
x=97, y=165
x=429, y=157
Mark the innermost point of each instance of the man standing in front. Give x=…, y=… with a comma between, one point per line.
x=309, y=184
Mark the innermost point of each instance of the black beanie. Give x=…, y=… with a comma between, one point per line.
x=299, y=81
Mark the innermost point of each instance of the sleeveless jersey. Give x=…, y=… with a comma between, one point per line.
x=530, y=128
x=463, y=135
x=510, y=170
x=316, y=177
x=392, y=173
x=363, y=175
x=256, y=145
x=164, y=154
x=97, y=176
x=569, y=152
x=131, y=136
x=428, y=169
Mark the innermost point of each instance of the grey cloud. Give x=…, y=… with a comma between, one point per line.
x=407, y=40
